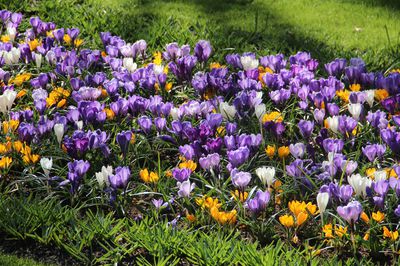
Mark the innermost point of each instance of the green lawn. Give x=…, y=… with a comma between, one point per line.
x=15, y=261
x=327, y=28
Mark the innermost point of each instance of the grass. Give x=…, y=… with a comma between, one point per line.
x=16, y=261
x=327, y=28
x=96, y=238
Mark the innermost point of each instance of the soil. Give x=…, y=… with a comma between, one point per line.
x=32, y=250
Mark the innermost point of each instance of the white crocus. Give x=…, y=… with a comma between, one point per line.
x=15, y=54
x=322, y=201
x=158, y=69
x=227, y=111
x=47, y=165
x=176, y=113
x=11, y=32
x=7, y=100
x=38, y=59
x=248, y=62
x=79, y=124
x=359, y=184
x=12, y=57
x=333, y=123
x=370, y=95
x=59, y=131
x=355, y=110
x=260, y=111
x=129, y=64
x=380, y=175
x=102, y=177
x=266, y=175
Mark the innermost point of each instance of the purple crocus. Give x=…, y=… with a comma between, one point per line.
x=123, y=140
x=336, y=67
x=381, y=187
x=181, y=175
x=210, y=161
x=259, y=202
x=351, y=212
x=373, y=150
x=397, y=211
x=240, y=179
x=145, y=124
x=239, y=156
x=121, y=177
x=76, y=170
x=202, y=50
x=306, y=128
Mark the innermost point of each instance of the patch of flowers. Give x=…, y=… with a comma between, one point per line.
x=310, y=152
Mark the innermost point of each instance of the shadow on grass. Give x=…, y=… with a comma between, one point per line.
x=390, y=4
x=263, y=33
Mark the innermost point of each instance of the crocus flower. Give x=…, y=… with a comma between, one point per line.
x=145, y=124
x=397, y=211
x=359, y=184
x=202, y=50
x=306, y=128
x=381, y=187
x=297, y=150
x=239, y=156
x=259, y=202
x=47, y=165
x=266, y=175
x=227, y=111
x=6, y=100
x=102, y=177
x=59, y=131
x=76, y=170
x=249, y=62
x=210, y=161
x=185, y=188
x=240, y=179
x=123, y=139
x=322, y=201
x=355, y=110
x=121, y=177
x=181, y=175
x=351, y=212
x=374, y=150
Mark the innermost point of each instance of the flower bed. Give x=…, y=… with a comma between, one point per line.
x=274, y=147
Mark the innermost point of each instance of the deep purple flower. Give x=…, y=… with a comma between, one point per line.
x=123, y=140
x=202, y=50
x=121, y=177
x=397, y=211
x=181, y=175
x=26, y=132
x=239, y=156
x=351, y=212
x=145, y=124
x=336, y=67
x=333, y=145
x=259, y=202
x=391, y=138
x=306, y=128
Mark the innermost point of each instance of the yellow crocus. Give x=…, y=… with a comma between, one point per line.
x=286, y=220
x=5, y=162
x=378, y=216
